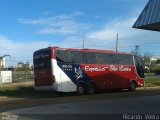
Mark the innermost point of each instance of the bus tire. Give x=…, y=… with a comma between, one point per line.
x=91, y=88
x=80, y=89
x=133, y=86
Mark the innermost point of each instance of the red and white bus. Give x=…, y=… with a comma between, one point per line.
x=86, y=70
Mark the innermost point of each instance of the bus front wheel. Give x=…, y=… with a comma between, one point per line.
x=133, y=86
x=80, y=89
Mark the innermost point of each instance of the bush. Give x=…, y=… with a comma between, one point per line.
x=157, y=72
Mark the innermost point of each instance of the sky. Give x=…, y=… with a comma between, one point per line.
x=29, y=25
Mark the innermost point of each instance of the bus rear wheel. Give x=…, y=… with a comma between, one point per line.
x=91, y=88
x=80, y=89
x=133, y=86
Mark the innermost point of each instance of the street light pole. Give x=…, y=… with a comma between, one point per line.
x=83, y=42
x=117, y=43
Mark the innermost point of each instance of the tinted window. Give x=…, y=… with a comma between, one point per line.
x=64, y=56
x=123, y=59
x=70, y=56
x=127, y=60
x=93, y=58
x=77, y=57
x=90, y=58
x=102, y=58
x=42, y=59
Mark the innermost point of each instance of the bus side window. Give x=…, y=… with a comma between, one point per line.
x=125, y=59
x=113, y=58
x=90, y=57
x=110, y=59
x=63, y=56
x=84, y=58
x=77, y=57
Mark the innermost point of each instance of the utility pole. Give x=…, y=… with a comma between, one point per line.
x=83, y=42
x=94, y=44
x=117, y=42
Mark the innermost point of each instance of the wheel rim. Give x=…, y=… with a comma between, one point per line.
x=80, y=89
x=91, y=89
x=133, y=86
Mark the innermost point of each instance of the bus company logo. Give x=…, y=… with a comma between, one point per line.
x=110, y=68
x=119, y=68
x=97, y=69
x=78, y=72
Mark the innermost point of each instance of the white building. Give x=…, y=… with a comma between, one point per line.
x=5, y=77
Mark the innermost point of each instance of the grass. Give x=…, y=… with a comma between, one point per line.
x=16, y=89
x=152, y=82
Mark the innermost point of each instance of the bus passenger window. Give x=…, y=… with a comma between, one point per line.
x=63, y=56
x=77, y=57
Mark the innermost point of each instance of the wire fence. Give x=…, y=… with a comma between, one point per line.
x=16, y=77
x=22, y=76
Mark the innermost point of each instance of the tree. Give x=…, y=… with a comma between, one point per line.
x=137, y=50
x=23, y=66
x=158, y=61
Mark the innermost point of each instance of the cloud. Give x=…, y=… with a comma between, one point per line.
x=72, y=31
x=110, y=29
x=5, y=43
x=105, y=37
x=19, y=51
x=64, y=24
x=108, y=32
x=15, y=46
x=96, y=16
x=46, y=13
x=78, y=13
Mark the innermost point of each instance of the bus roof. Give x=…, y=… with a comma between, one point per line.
x=91, y=50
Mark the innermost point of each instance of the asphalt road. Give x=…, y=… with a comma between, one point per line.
x=123, y=106
x=152, y=76
x=108, y=105
x=145, y=104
